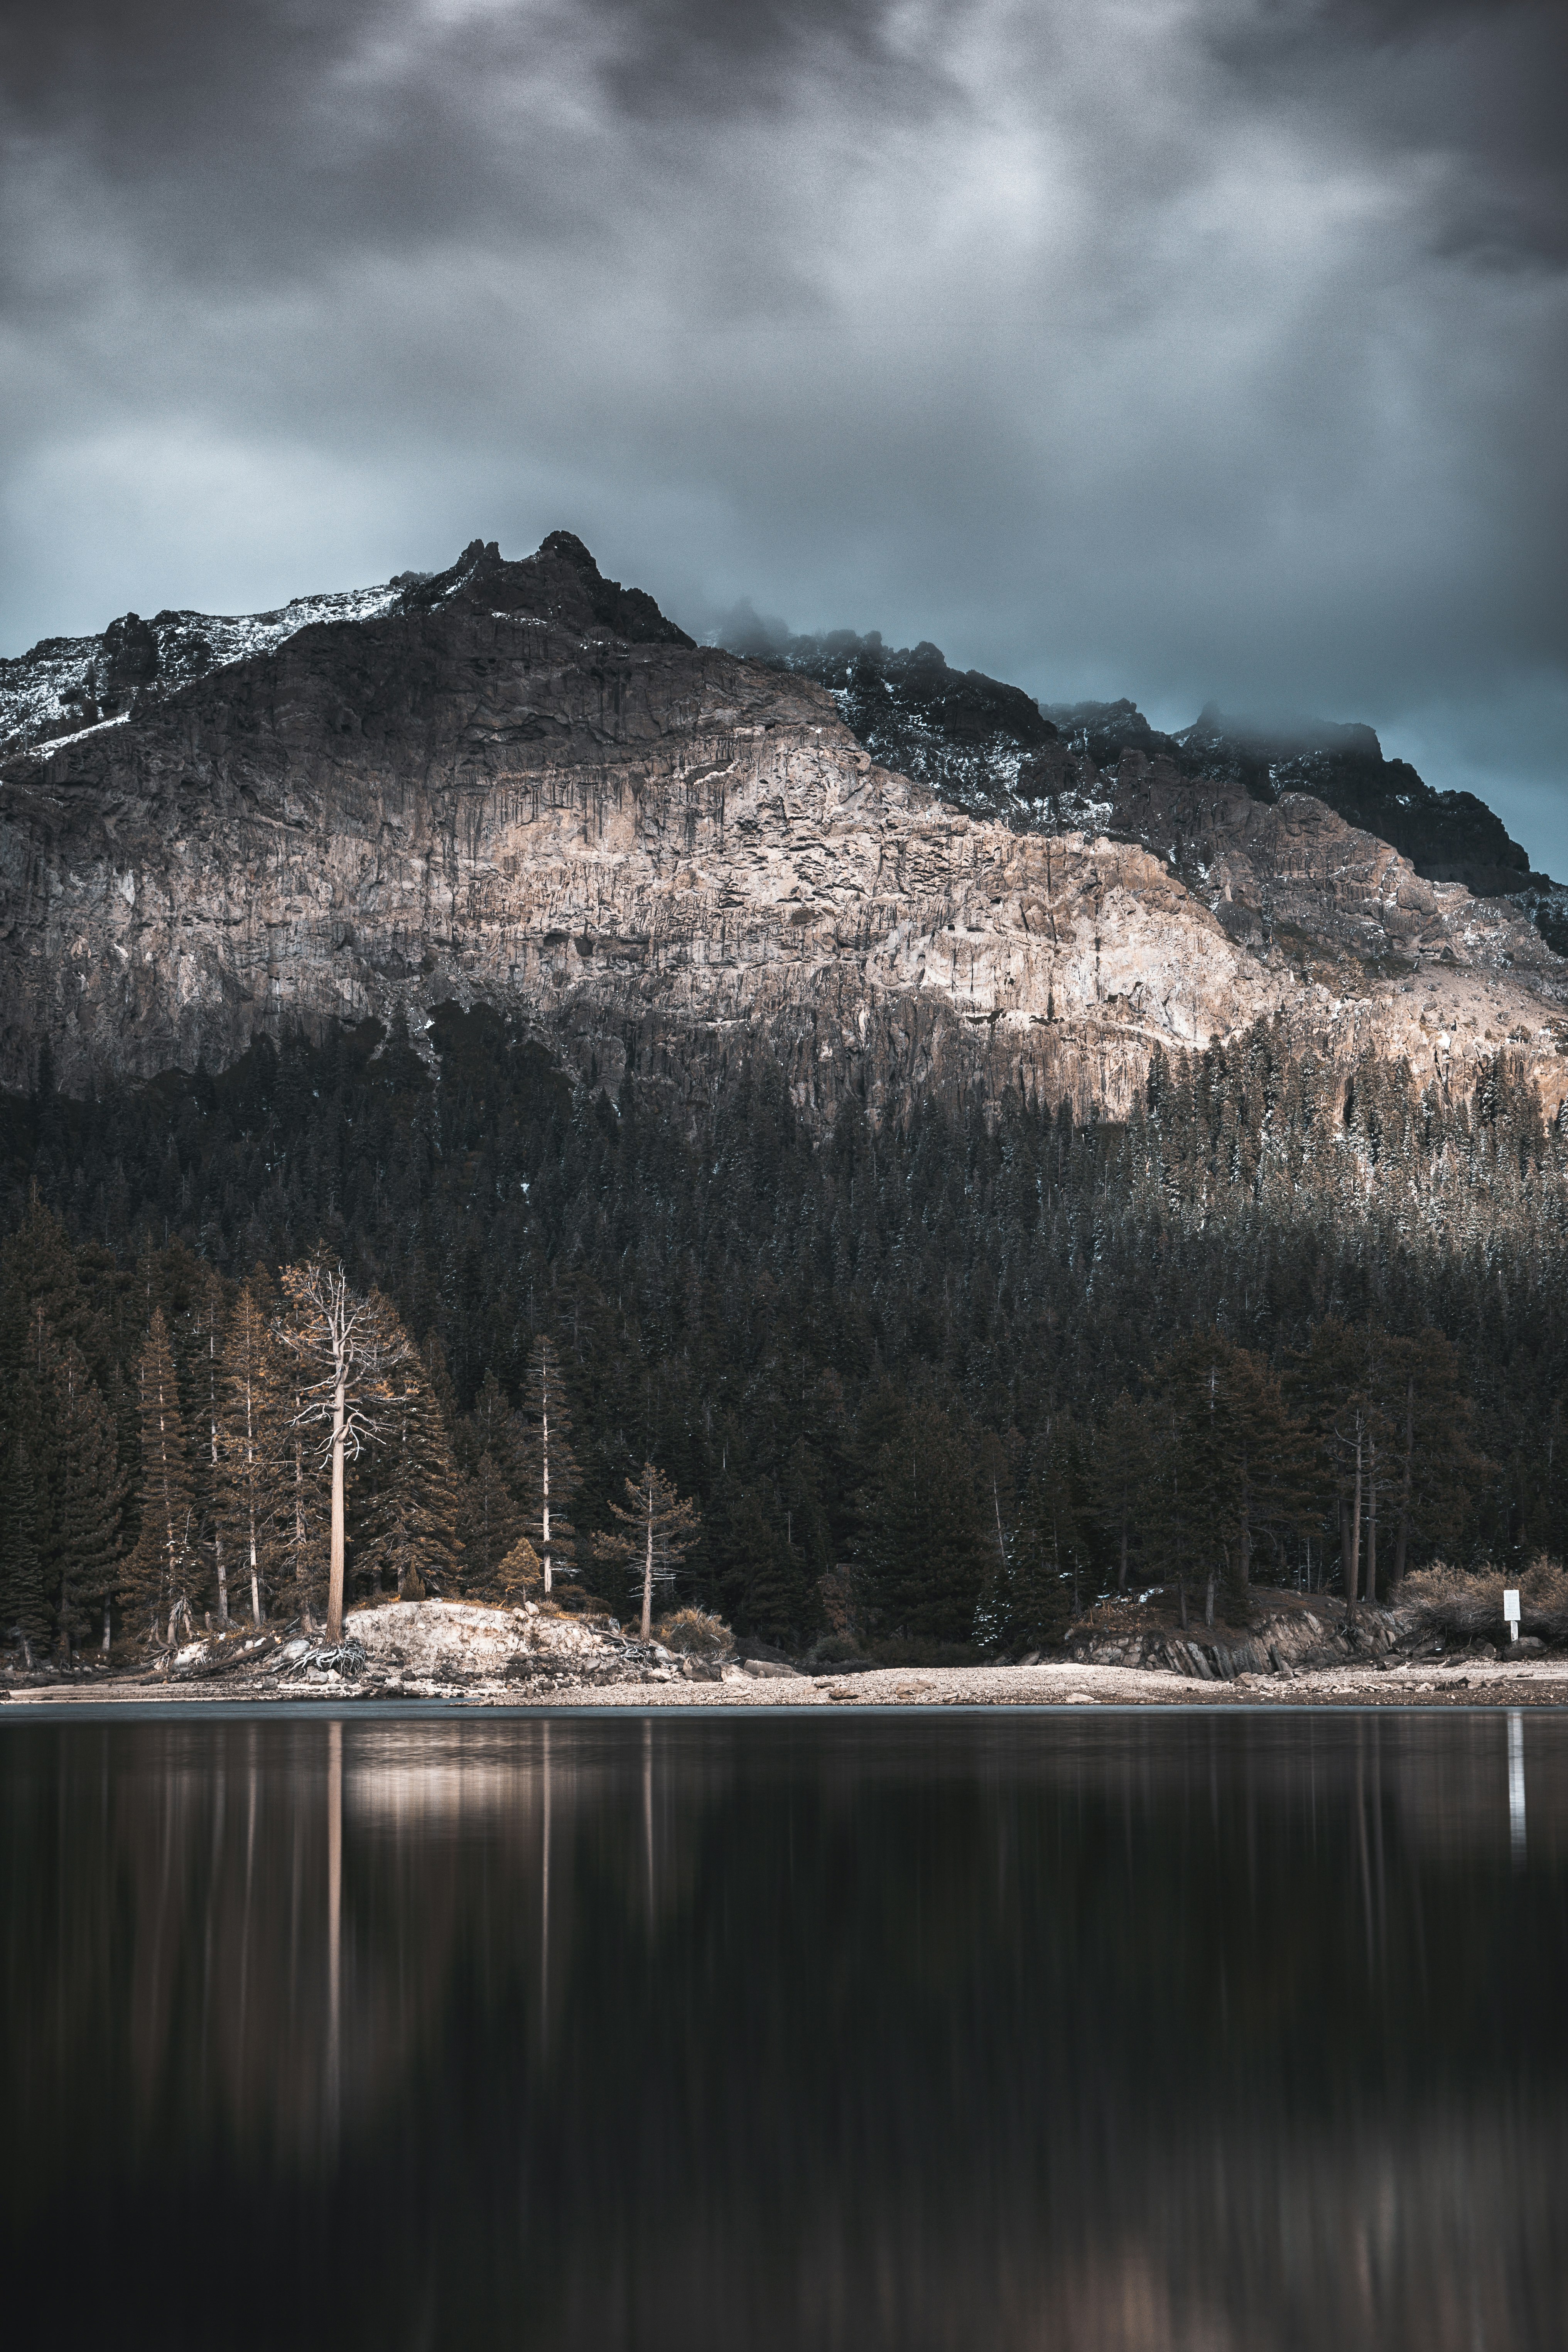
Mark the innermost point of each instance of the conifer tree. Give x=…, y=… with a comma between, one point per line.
x=1123, y=1462
x=41, y=1287
x=412, y=1523
x=494, y=1428
x=205, y=1372
x=924, y=1543
x=1432, y=1467
x=255, y=1457
x=490, y=1521
x=490, y=1445
x=519, y=1577
x=23, y=1602
x=760, y=1574
x=660, y=1529
x=1051, y=1548
x=303, y=1521
x=159, y=1573
x=88, y=1493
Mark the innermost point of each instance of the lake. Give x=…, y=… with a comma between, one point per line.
x=1105, y=2030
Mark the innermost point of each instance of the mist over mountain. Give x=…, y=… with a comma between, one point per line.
x=971, y=737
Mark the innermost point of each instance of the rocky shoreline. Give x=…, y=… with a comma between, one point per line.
x=450, y=1653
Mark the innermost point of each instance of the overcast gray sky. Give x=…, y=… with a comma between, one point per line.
x=1173, y=348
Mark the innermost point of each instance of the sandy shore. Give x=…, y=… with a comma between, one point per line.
x=1539, y=1683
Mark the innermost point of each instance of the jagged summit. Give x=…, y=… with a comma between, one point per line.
x=1448, y=836
x=559, y=582
x=63, y=687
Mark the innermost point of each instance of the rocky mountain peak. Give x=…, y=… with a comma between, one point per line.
x=518, y=783
x=559, y=582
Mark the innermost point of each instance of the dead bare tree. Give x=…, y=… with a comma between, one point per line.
x=348, y=1347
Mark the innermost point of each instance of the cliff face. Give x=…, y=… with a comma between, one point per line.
x=520, y=783
x=976, y=741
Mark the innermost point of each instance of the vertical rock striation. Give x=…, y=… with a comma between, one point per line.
x=521, y=784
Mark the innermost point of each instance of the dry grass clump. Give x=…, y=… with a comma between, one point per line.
x=1467, y=1604
x=1116, y=1615
x=694, y=1633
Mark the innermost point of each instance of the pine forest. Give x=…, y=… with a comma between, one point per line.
x=936, y=1389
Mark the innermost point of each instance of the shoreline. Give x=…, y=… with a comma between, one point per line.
x=1490, y=1687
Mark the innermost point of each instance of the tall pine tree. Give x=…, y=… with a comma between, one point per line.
x=161, y=1572
x=24, y=1600
x=84, y=1555
x=411, y=1526
x=255, y=1456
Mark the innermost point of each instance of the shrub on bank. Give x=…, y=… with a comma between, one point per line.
x=693, y=1634
x=1467, y=1604
x=834, y=1648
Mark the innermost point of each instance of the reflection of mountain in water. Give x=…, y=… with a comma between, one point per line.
x=1230, y=2033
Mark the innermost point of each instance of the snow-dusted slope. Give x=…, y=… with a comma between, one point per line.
x=66, y=686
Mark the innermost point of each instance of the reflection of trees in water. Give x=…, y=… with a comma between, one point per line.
x=1218, y=2032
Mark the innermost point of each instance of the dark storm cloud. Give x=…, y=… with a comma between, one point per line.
x=1175, y=347
x=1479, y=80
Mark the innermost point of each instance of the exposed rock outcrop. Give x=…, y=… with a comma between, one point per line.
x=1285, y=1642
x=520, y=783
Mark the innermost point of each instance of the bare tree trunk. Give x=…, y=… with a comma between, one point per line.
x=1208, y=1599
x=212, y=1428
x=300, y=1519
x=1182, y=1592
x=335, y=1575
x=1353, y=1564
x=1402, y=1535
x=648, y=1575
x=544, y=1458
x=107, y=1606
x=1372, y=1524
x=250, y=1518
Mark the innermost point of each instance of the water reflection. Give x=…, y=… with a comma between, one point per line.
x=1516, y=1822
x=1116, y=2034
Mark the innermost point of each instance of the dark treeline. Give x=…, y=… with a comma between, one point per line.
x=947, y=1382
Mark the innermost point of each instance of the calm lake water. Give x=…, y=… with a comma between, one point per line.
x=1105, y=2031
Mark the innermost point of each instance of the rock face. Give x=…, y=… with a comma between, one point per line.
x=1286, y=1642
x=974, y=740
x=520, y=783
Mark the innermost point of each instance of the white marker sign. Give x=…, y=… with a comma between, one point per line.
x=1511, y=1612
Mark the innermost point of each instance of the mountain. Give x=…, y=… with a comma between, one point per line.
x=991, y=749
x=520, y=785
x=900, y=1104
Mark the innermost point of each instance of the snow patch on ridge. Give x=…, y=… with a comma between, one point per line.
x=66, y=687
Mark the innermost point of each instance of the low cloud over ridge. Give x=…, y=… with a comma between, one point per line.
x=1177, y=348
